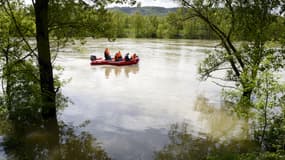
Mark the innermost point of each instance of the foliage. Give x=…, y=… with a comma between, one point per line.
x=27, y=75
x=69, y=19
x=269, y=118
x=183, y=145
x=79, y=146
x=145, y=11
x=137, y=25
x=263, y=156
x=267, y=115
x=242, y=62
x=20, y=77
x=251, y=64
x=22, y=94
x=58, y=141
x=19, y=80
x=174, y=24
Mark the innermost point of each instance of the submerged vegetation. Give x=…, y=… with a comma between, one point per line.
x=30, y=36
x=31, y=94
x=257, y=94
x=183, y=146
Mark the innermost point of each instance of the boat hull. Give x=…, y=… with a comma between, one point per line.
x=115, y=63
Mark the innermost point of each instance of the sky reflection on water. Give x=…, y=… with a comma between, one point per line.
x=131, y=108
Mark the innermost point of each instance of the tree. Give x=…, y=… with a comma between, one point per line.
x=48, y=23
x=151, y=26
x=252, y=64
x=270, y=125
x=250, y=20
x=44, y=59
x=183, y=145
x=162, y=29
x=174, y=24
x=138, y=22
x=19, y=75
x=33, y=141
x=119, y=24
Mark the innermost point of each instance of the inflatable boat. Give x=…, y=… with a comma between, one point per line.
x=101, y=61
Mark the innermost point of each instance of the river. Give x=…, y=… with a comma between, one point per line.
x=130, y=109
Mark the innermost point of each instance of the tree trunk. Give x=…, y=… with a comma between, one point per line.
x=245, y=101
x=53, y=139
x=8, y=79
x=33, y=139
x=46, y=74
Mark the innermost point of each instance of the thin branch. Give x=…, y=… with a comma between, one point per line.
x=29, y=54
x=2, y=85
x=233, y=18
x=64, y=25
x=24, y=71
x=54, y=58
x=10, y=12
x=265, y=110
x=226, y=42
x=189, y=17
x=226, y=68
x=218, y=78
x=224, y=86
x=57, y=89
x=214, y=68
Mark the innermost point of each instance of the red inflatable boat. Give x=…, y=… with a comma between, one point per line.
x=101, y=61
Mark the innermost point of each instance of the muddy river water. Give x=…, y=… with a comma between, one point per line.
x=130, y=109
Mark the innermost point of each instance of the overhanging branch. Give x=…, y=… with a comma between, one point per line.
x=224, y=86
x=231, y=51
x=10, y=13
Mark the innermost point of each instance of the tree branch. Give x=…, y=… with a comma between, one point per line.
x=218, y=78
x=10, y=13
x=224, y=86
x=29, y=54
x=224, y=38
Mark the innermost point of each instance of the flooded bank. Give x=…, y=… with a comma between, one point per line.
x=130, y=109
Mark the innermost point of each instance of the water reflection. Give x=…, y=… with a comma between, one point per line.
x=131, y=107
x=221, y=123
x=117, y=70
x=224, y=140
x=184, y=145
x=50, y=140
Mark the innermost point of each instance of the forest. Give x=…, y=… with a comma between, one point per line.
x=251, y=53
x=146, y=22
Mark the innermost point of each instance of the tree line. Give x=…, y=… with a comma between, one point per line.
x=251, y=53
x=174, y=25
x=117, y=23
x=247, y=56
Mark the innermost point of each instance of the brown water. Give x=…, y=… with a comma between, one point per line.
x=130, y=108
x=127, y=111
